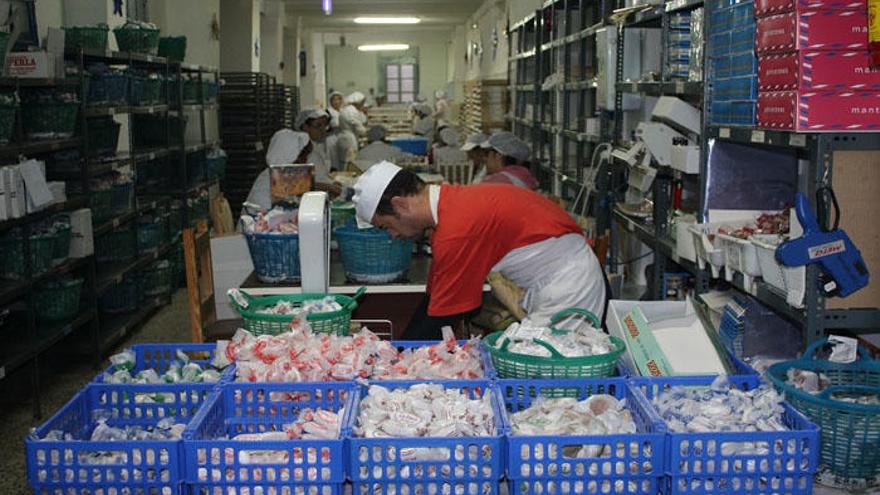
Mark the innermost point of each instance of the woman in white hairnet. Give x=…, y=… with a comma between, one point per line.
x=324, y=156
x=424, y=124
x=337, y=100
x=352, y=124
x=476, y=154
x=475, y=230
x=378, y=150
x=441, y=106
x=507, y=160
x=446, y=151
x=286, y=146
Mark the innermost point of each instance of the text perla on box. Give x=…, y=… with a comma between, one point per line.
x=31, y=64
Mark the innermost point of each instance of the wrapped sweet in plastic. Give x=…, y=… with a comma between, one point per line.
x=327, y=304
x=445, y=360
x=276, y=221
x=181, y=370
x=522, y=336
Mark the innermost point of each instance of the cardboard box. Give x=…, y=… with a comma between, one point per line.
x=764, y=8
x=31, y=64
x=819, y=111
x=682, y=341
x=812, y=30
x=815, y=70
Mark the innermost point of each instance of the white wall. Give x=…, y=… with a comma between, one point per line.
x=272, y=20
x=238, y=35
x=192, y=20
x=50, y=13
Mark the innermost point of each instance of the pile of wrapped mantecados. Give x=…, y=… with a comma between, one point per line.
x=597, y=415
x=181, y=370
x=813, y=383
x=303, y=356
x=276, y=221
x=522, y=336
x=325, y=305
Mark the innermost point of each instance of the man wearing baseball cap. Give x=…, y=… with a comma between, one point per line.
x=475, y=230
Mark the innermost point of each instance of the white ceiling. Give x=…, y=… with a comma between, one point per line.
x=435, y=14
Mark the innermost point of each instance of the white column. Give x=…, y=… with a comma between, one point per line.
x=238, y=35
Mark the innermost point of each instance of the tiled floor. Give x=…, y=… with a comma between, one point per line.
x=169, y=324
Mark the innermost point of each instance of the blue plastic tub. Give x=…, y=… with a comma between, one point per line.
x=414, y=145
x=160, y=356
x=69, y=466
x=275, y=256
x=469, y=465
x=371, y=255
x=697, y=463
x=630, y=463
x=215, y=464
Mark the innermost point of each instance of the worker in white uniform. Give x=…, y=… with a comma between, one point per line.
x=441, y=108
x=352, y=125
x=475, y=230
x=379, y=150
x=424, y=124
x=316, y=123
x=446, y=151
x=476, y=154
x=337, y=100
x=286, y=146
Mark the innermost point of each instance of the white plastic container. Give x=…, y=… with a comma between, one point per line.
x=790, y=281
x=708, y=251
x=684, y=243
x=740, y=256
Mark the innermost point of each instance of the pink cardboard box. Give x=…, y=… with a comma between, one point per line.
x=819, y=111
x=812, y=30
x=764, y=8
x=818, y=70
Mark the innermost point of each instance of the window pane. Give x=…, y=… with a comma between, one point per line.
x=407, y=85
x=392, y=98
x=393, y=85
x=407, y=71
x=407, y=97
x=392, y=71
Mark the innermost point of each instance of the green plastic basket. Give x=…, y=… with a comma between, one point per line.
x=117, y=245
x=123, y=297
x=173, y=48
x=7, y=122
x=157, y=278
x=513, y=365
x=335, y=322
x=137, y=39
x=146, y=91
x=191, y=91
x=56, y=120
x=12, y=265
x=85, y=37
x=58, y=301
x=61, y=249
x=101, y=204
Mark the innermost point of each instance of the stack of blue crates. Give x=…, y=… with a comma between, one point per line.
x=733, y=68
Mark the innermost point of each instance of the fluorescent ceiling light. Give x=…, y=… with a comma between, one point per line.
x=380, y=48
x=387, y=20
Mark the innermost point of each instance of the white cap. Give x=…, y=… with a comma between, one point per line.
x=285, y=146
x=355, y=97
x=308, y=114
x=369, y=188
x=508, y=144
x=449, y=136
x=423, y=109
x=474, y=141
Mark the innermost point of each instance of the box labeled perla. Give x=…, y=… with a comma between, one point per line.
x=770, y=7
x=819, y=111
x=818, y=70
x=812, y=30
x=30, y=64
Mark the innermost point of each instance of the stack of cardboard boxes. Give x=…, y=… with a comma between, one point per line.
x=813, y=70
x=733, y=69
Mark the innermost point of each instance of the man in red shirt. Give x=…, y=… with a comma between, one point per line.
x=478, y=229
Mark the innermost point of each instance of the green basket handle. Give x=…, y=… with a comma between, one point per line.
x=825, y=394
x=810, y=353
x=565, y=313
x=352, y=303
x=553, y=352
x=250, y=299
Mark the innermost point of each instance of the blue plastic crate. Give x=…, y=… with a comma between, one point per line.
x=488, y=370
x=413, y=144
x=371, y=255
x=159, y=357
x=632, y=463
x=145, y=466
x=742, y=39
x=216, y=464
x=275, y=256
x=697, y=463
x=743, y=64
x=735, y=88
x=469, y=465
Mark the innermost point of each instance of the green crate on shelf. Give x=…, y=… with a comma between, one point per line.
x=117, y=245
x=7, y=122
x=85, y=37
x=158, y=278
x=146, y=91
x=151, y=233
x=123, y=297
x=173, y=48
x=137, y=39
x=58, y=300
x=191, y=91
x=49, y=120
x=101, y=204
x=61, y=249
x=12, y=266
